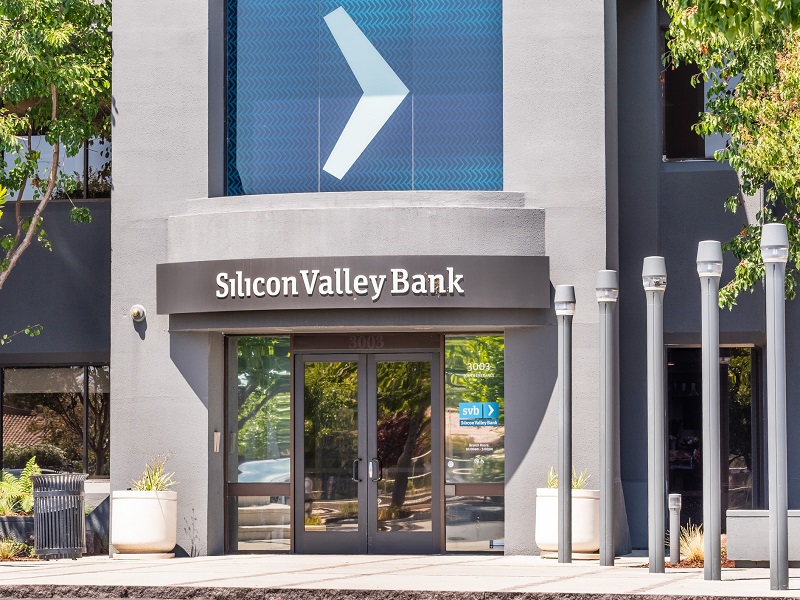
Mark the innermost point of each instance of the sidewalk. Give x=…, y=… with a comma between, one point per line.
x=293, y=577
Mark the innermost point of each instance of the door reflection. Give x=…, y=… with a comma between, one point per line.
x=404, y=446
x=330, y=446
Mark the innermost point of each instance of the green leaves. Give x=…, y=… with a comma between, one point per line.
x=30, y=331
x=748, y=52
x=80, y=214
x=55, y=77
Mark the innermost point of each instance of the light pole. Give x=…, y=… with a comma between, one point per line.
x=607, y=291
x=775, y=252
x=564, y=301
x=654, y=281
x=709, y=268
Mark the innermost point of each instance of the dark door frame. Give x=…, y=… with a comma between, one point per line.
x=367, y=539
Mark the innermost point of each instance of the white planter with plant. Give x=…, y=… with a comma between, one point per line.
x=585, y=516
x=144, y=519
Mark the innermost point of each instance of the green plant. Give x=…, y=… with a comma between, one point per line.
x=579, y=480
x=11, y=549
x=55, y=74
x=313, y=520
x=155, y=478
x=349, y=509
x=552, y=478
x=47, y=456
x=692, y=543
x=16, y=493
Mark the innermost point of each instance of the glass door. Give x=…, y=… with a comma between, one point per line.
x=367, y=454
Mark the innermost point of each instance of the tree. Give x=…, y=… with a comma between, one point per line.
x=749, y=53
x=55, y=80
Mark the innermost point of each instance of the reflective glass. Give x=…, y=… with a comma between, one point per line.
x=330, y=446
x=404, y=446
x=259, y=417
x=475, y=523
x=474, y=409
x=43, y=417
x=259, y=523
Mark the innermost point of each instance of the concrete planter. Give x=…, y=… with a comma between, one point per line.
x=18, y=528
x=144, y=524
x=585, y=520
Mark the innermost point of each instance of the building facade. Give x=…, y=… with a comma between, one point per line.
x=344, y=221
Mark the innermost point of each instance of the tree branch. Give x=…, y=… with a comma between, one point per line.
x=17, y=251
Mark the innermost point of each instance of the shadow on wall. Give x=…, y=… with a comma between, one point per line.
x=190, y=353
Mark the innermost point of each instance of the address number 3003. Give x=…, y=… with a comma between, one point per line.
x=365, y=342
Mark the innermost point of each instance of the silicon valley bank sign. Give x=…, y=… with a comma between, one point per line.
x=354, y=282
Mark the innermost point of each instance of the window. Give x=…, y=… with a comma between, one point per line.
x=60, y=415
x=258, y=444
x=742, y=439
x=683, y=104
x=92, y=164
x=474, y=442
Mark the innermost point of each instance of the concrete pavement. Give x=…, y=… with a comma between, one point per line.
x=283, y=576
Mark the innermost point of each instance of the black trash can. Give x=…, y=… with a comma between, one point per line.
x=59, y=523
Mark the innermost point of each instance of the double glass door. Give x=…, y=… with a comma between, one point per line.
x=367, y=455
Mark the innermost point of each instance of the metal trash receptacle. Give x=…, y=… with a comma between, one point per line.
x=59, y=522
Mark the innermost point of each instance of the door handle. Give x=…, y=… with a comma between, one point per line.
x=355, y=470
x=372, y=475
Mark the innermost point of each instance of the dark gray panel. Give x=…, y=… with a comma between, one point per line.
x=66, y=290
x=355, y=282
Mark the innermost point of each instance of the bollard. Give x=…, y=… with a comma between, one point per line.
x=674, y=529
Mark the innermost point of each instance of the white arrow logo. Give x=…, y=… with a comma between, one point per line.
x=491, y=410
x=383, y=92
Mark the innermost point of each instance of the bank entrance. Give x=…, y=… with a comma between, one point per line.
x=366, y=465
x=374, y=443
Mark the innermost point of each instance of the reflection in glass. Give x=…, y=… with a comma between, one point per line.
x=43, y=416
x=330, y=446
x=475, y=523
x=259, y=420
x=474, y=373
x=404, y=446
x=259, y=523
x=738, y=439
x=99, y=404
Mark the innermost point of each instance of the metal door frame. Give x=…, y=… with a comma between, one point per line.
x=367, y=540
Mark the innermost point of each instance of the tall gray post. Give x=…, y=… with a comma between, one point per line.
x=564, y=302
x=775, y=252
x=709, y=268
x=607, y=290
x=654, y=280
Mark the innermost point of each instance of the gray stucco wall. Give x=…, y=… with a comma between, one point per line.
x=554, y=150
x=66, y=290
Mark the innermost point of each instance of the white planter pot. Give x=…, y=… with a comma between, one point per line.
x=585, y=520
x=144, y=522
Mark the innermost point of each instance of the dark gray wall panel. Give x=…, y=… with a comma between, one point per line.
x=67, y=290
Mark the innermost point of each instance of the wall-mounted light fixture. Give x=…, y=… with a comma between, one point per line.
x=138, y=313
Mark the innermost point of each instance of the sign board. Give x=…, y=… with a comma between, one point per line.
x=478, y=414
x=354, y=282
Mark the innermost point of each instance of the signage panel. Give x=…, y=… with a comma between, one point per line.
x=349, y=95
x=354, y=282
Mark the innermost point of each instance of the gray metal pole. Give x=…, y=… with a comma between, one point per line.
x=774, y=250
x=565, y=307
x=607, y=292
x=709, y=268
x=674, y=529
x=654, y=279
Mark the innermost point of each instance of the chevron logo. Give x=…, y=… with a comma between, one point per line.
x=383, y=92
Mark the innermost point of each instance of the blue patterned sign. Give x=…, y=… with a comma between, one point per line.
x=340, y=95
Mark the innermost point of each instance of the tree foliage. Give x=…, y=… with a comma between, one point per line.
x=749, y=53
x=55, y=80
